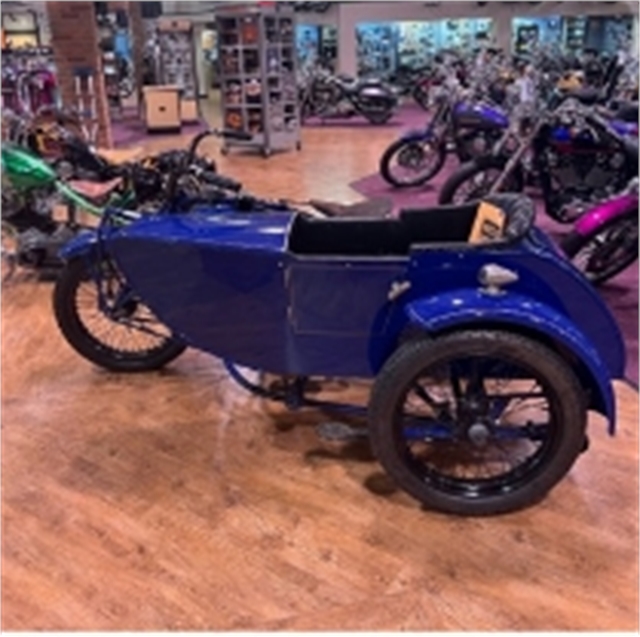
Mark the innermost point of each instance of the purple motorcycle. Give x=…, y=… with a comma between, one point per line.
x=604, y=242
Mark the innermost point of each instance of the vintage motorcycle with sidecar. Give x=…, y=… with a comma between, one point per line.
x=486, y=347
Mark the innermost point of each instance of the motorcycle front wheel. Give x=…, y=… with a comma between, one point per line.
x=475, y=180
x=607, y=251
x=128, y=339
x=376, y=110
x=408, y=163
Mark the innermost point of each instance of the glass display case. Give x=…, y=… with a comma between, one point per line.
x=317, y=44
x=383, y=47
x=377, y=48
x=307, y=44
x=531, y=33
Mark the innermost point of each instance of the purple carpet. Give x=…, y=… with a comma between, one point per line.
x=621, y=294
x=408, y=115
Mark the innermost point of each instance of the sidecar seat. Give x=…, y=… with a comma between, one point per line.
x=454, y=224
x=437, y=227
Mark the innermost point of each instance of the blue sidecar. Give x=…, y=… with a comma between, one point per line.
x=487, y=348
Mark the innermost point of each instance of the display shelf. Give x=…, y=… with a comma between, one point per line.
x=258, y=86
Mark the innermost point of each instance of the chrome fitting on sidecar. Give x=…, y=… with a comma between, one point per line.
x=494, y=277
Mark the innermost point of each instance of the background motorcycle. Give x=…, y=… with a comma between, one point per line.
x=604, y=241
x=459, y=124
x=31, y=237
x=575, y=156
x=324, y=95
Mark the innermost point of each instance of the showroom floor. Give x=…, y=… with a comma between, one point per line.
x=175, y=501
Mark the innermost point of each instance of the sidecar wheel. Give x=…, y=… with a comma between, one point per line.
x=477, y=423
x=105, y=341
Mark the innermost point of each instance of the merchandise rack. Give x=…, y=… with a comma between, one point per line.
x=258, y=77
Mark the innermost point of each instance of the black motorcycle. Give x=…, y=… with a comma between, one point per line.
x=328, y=96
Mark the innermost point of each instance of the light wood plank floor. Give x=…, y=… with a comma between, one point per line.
x=175, y=501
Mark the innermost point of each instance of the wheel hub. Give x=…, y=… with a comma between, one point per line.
x=411, y=157
x=479, y=434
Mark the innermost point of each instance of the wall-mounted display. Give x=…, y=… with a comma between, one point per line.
x=531, y=33
x=377, y=48
x=383, y=47
x=317, y=44
x=572, y=34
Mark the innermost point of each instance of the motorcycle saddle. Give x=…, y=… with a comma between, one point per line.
x=95, y=191
x=371, y=208
x=119, y=157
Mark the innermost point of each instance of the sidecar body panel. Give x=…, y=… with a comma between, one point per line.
x=217, y=280
x=228, y=285
x=289, y=295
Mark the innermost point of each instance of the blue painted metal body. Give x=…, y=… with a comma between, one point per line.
x=476, y=115
x=482, y=113
x=228, y=283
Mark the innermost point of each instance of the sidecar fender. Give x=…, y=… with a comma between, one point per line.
x=473, y=309
x=84, y=244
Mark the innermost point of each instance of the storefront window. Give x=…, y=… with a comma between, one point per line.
x=604, y=34
x=384, y=47
x=530, y=34
x=316, y=45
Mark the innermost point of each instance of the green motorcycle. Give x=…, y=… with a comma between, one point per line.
x=31, y=237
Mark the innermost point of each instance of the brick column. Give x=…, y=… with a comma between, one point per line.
x=74, y=39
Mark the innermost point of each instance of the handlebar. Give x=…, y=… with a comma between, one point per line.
x=219, y=181
x=191, y=154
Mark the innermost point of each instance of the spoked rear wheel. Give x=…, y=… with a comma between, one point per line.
x=477, y=423
x=120, y=334
x=607, y=252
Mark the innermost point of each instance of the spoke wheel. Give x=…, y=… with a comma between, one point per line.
x=606, y=253
x=472, y=181
x=412, y=163
x=477, y=423
x=107, y=324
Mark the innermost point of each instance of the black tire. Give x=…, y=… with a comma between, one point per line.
x=377, y=118
x=471, y=170
x=87, y=344
x=574, y=244
x=523, y=486
x=439, y=152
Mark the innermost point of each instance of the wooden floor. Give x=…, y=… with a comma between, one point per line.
x=175, y=501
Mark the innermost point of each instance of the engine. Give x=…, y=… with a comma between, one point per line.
x=581, y=170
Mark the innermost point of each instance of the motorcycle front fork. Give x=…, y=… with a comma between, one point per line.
x=515, y=159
